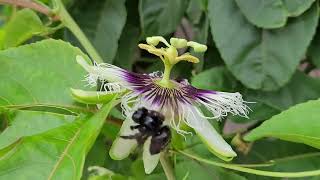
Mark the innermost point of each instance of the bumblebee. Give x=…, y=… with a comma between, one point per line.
x=150, y=124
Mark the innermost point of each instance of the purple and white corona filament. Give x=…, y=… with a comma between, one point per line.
x=177, y=100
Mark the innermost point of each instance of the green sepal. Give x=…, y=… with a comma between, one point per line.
x=91, y=97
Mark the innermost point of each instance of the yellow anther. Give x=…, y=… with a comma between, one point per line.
x=197, y=46
x=154, y=40
x=178, y=43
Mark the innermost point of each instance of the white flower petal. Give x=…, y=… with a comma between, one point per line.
x=220, y=104
x=150, y=162
x=121, y=148
x=103, y=71
x=209, y=135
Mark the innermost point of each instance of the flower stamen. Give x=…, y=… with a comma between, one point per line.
x=170, y=55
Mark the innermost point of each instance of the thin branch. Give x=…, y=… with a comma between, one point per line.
x=32, y=5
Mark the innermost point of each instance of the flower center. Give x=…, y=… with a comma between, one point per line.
x=170, y=56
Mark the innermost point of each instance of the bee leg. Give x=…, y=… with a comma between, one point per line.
x=139, y=137
x=129, y=137
x=142, y=139
x=135, y=127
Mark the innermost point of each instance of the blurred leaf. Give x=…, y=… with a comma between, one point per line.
x=260, y=112
x=160, y=18
x=292, y=93
x=268, y=104
x=128, y=46
x=313, y=50
x=260, y=59
x=220, y=79
x=40, y=73
x=272, y=13
x=6, y=11
x=55, y=154
x=195, y=10
x=200, y=34
x=212, y=56
x=100, y=173
x=102, y=22
x=287, y=125
x=129, y=39
x=110, y=130
x=194, y=170
x=96, y=156
x=277, y=149
x=138, y=172
x=191, y=169
x=21, y=27
x=217, y=78
x=286, y=157
x=28, y=123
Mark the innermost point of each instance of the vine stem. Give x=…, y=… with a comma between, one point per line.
x=166, y=165
x=59, y=13
x=69, y=22
x=252, y=171
x=32, y=5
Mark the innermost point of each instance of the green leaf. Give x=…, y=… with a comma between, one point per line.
x=102, y=22
x=28, y=123
x=291, y=94
x=297, y=7
x=40, y=73
x=288, y=125
x=161, y=17
x=217, y=78
x=21, y=27
x=272, y=13
x=55, y=154
x=128, y=46
x=260, y=59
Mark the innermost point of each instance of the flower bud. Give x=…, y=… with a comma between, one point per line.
x=91, y=97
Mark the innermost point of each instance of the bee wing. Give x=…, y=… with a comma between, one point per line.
x=160, y=141
x=156, y=145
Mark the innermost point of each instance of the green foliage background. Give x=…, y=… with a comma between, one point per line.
x=269, y=51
